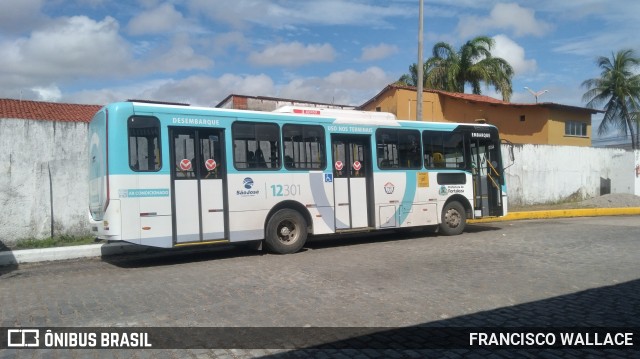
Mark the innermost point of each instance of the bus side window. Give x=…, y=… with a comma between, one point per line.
x=256, y=145
x=251, y=159
x=260, y=159
x=144, y=144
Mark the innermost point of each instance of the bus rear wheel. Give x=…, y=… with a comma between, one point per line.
x=286, y=232
x=454, y=219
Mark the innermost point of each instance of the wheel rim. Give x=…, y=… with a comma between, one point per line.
x=452, y=218
x=287, y=232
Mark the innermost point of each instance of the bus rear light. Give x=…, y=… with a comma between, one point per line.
x=146, y=228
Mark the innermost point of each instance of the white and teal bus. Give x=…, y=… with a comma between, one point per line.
x=171, y=175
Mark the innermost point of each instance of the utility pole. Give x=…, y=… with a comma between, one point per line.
x=420, y=64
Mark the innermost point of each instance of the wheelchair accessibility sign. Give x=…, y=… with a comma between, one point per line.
x=328, y=177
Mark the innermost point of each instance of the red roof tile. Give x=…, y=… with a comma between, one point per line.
x=47, y=111
x=481, y=98
x=469, y=97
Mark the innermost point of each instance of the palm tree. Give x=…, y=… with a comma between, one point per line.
x=618, y=89
x=410, y=79
x=472, y=64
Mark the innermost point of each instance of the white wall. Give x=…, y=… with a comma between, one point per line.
x=544, y=174
x=637, y=172
x=44, y=160
x=42, y=163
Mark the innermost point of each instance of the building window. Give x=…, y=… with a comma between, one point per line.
x=303, y=147
x=144, y=144
x=256, y=145
x=573, y=128
x=378, y=109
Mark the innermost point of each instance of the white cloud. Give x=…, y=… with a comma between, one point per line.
x=20, y=16
x=230, y=39
x=162, y=19
x=198, y=90
x=180, y=56
x=342, y=87
x=348, y=87
x=78, y=48
x=50, y=93
x=380, y=51
x=521, y=21
x=601, y=43
x=513, y=53
x=208, y=91
x=292, y=54
x=367, y=79
x=282, y=15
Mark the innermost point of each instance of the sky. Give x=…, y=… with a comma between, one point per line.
x=333, y=51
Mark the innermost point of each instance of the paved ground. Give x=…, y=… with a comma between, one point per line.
x=563, y=272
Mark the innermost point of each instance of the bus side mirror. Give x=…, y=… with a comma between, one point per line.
x=509, y=145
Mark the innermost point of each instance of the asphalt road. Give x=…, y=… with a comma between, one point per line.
x=539, y=273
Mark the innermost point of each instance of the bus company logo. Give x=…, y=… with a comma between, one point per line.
x=247, y=183
x=451, y=189
x=389, y=188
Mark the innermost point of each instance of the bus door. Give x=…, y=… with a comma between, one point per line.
x=487, y=176
x=352, y=174
x=198, y=179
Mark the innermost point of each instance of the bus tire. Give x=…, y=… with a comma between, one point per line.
x=286, y=232
x=454, y=219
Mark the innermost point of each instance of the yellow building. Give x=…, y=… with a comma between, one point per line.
x=541, y=123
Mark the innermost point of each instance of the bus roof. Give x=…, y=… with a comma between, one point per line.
x=335, y=116
x=337, y=113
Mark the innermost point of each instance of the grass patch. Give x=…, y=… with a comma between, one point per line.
x=57, y=241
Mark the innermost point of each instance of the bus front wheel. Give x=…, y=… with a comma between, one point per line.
x=454, y=219
x=286, y=232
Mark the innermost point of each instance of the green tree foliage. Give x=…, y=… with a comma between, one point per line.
x=617, y=90
x=473, y=64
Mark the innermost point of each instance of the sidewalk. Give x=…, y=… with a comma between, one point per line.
x=8, y=258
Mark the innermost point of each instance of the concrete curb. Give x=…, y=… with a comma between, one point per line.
x=99, y=250
x=62, y=253
x=562, y=213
